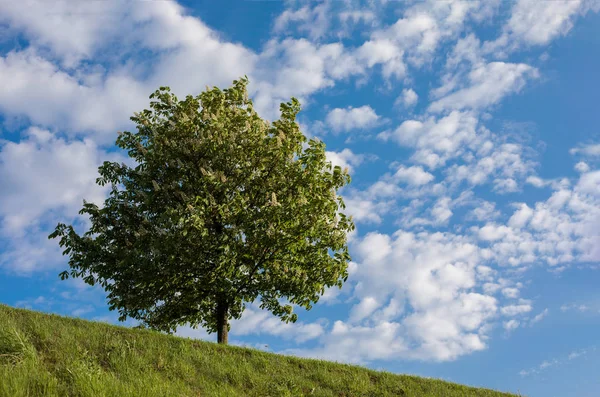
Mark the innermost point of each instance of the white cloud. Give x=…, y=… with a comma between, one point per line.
x=298, y=68
x=365, y=209
x=350, y=118
x=507, y=163
x=408, y=98
x=255, y=321
x=92, y=100
x=345, y=158
x=425, y=25
x=511, y=325
x=582, y=167
x=538, y=23
x=521, y=216
x=314, y=21
x=414, y=175
x=561, y=230
x=183, y=44
x=582, y=308
x=48, y=178
x=31, y=252
x=355, y=344
x=436, y=141
x=48, y=96
x=385, y=52
x=441, y=212
x=510, y=292
x=492, y=232
x=433, y=273
x=356, y=17
x=539, y=317
x=544, y=365
x=486, y=85
x=591, y=150
x=515, y=310
x=47, y=173
x=72, y=30
x=486, y=211
x=365, y=308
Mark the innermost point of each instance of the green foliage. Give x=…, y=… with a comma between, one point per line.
x=221, y=208
x=70, y=357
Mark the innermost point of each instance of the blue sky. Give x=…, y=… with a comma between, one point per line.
x=470, y=129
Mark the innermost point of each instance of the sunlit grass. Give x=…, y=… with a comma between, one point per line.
x=49, y=355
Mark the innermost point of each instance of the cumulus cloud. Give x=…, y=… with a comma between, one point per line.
x=432, y=273
x=485, y=211
x=414, y=175
x=534, y=23
x=47, y=173
x=73, y=31
x=298, y=67
x=438, y=140
x=365, y=308
x=312, y=20
x=408, y=98
x=345, y=158
x=591, y=150
x=424, y=281
x=582, y=167
x=504, y=162
x=514, y=310
x=365, y=209
x=355, y=343
x=258, y=322
x=486, y=85
x=99, y=101
x=511, y=325
x=48, y=177
x=31, y=252
x=560, y=230
x=351, y=118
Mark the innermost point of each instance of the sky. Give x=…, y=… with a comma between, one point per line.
x=470, y=128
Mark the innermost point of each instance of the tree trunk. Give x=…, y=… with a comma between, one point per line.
x=222, y=326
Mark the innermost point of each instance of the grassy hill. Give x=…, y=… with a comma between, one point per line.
x=50, y=355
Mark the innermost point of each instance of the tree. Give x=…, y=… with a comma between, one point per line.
x=222, y=208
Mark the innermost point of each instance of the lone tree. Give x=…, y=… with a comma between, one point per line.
x=222, y=208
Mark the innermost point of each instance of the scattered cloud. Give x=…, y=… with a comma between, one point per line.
x=539, y=317
x=345, y=158
x=435, y=140
x=414, y=175
x=432, y=290
x=486, y=85
x=408, y=98
x=350, y=118
x=511, y=325
x=534, y=23
x=47, y=173
x=591, y=150
x=554, y=362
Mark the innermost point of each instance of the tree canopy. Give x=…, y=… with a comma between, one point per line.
x=222, y=208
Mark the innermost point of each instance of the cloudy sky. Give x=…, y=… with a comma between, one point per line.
x=471, y=129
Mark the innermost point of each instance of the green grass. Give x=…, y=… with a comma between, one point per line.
x=50, y=355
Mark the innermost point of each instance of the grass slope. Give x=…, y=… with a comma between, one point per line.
x=50, y=355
